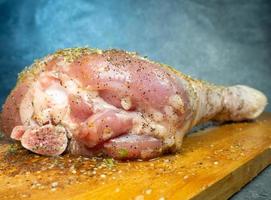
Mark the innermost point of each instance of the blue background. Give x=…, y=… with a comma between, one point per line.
x=225, y=42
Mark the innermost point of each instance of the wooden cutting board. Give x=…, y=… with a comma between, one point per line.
x=213, y=164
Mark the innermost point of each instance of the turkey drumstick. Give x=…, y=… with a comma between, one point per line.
x=115, y=103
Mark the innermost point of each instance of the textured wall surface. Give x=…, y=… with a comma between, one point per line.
x=225, y=42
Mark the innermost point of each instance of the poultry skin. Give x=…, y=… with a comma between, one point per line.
x=115, y=103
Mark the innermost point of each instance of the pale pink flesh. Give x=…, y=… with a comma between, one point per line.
x=147, y=86
x=45, y=140
x=125, y=147
x=133, y=146
x=12, y=105
x=101, y=127
x=18, y=132
x=80, y=110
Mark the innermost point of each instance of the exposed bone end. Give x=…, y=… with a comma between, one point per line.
x=256, y=101
x=242, y=103
x=176, y=102
x=126, y=103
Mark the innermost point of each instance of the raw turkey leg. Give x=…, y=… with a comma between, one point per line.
x=115, y=103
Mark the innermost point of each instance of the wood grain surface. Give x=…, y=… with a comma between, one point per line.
x=213, y=164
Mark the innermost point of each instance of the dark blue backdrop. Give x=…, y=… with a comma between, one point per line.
x=226, y=42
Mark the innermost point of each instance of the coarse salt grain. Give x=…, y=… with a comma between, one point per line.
x=148, y=191
x=54, y=184
x=139, y=197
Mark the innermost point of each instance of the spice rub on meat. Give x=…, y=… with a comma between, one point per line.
x=115, y=103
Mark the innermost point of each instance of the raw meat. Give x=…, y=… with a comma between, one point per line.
x=115, y=103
